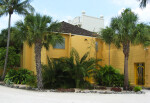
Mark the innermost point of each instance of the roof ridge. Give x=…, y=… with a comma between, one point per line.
x=77, y=27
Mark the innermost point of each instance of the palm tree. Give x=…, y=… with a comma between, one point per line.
x=127, y=32
x=143, y=3
x=8, y=7
x=39, y=30
x=107, y=36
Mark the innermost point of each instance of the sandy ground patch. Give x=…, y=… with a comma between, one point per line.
x=11, y=95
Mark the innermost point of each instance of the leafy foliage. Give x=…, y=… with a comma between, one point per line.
x=80, y=68
x=143, y=3
x=137, y=88
x=68, y=72
x=107, y=35
x=127, y=30
x=13, y=58
x=15, y=39
x=21, y=76
x=108, y=76
x=15, y=6
x=56, y=76
x=39, y=29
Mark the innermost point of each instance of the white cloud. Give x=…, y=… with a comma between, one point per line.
x=144, y=14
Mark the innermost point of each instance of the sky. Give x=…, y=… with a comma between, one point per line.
x=64, y=10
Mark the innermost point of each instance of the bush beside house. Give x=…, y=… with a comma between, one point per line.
x=69, y=72
x=13, y=58
x=109, y=76
x=20, y=76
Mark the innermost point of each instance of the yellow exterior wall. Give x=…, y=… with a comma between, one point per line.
x=29, y=55
x=82, y=44
x=99, y=53
x=137, y=55
x=85, y=44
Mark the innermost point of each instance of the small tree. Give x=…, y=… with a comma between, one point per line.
x=39, y=30
x=107, y=35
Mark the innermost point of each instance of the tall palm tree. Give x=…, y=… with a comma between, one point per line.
x=8, y=7
x=128, y=32
x=39, y=30
x=143, y=3
x=107, y=36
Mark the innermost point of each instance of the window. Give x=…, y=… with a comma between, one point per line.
x=96, y=46
x=60, y=45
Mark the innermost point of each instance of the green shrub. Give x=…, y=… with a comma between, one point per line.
x=15, y=39
x=80, y=68
x=137, y=88
x=13, y=58
x=56, y=76
x=108, y=76
x=20, y=76
x=68, y=72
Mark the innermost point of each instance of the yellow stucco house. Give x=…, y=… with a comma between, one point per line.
x=83, y=41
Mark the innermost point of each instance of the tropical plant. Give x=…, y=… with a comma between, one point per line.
x=15, y=39
x=68, y=72
x=137, y=88
x=40, y=31
x=128, y=32
x=8, y=7
x=21, y=76
x=143, y=3
x=13, y=58
x=55, y=75
x=107, y=36
x=108, y=76
x=80, y=67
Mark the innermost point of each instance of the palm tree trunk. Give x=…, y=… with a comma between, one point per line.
x=126, y=49
x=109, y=54
x=8, y=40
x=126, y=85
x=37, y=51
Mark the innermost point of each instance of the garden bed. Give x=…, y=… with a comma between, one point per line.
x=101, y=90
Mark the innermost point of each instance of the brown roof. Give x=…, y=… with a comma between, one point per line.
x=74, y=29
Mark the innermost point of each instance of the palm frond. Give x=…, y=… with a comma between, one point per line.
x=76, y=54
x=143, y=3
x=84, y=57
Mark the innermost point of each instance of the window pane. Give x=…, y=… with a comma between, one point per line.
x=60, y=45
